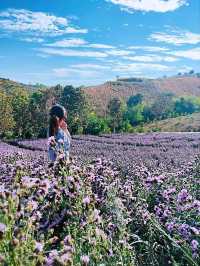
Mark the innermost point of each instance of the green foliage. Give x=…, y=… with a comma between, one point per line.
x=134, y=100
x=195, y=101
x=17, y=246
x=116, y=109
x=184, y=106
x=7, y=120
x=163, y=106
x=38, y=113
x=135, y=114
x=147, y=114
x=20, y=105
x=74, y=100
x=96, y=125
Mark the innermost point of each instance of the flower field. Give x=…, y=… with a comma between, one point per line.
x=124, y=199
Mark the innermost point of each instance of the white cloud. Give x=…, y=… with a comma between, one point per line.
x=33, y=39
x=26, y=21
x=74, y=30
x=74, y=53
x=176, y=37
x=68, y=43
x=151, y=58
x=77, y=42
x=100, y=46
x=149, y=48
x=193, y=54
x=147, y=67
x=69, y=73
x=89, y=66
x=149, y=5
x=119, y=52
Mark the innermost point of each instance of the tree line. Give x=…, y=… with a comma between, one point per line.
x=24, y=114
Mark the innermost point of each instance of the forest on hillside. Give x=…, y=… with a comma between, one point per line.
x=24, y=111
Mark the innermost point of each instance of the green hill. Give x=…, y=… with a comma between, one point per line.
x=8, y=85
x=189, y=123
x=150, y=88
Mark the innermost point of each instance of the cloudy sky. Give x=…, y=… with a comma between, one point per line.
x=84, y=42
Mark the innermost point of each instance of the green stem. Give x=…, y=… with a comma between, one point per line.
x=188, y=257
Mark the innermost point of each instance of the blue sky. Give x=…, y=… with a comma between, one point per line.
x=86, y=42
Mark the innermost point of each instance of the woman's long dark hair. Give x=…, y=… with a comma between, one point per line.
x=56, y=113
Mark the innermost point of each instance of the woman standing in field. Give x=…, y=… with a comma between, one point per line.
x=58, y=134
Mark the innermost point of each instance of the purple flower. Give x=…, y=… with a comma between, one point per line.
x=68, y=240
x=170, y=226
x=160, y=178
x=158, y=211
x=196, y=205
x=86, y=200
x=184, y=230
x=85, y=259
x=146, y=216
x=167, y=193
x=51, y=141
x=183, y=196
x=66, y=257
x=166, y=213
x=194, y=245
x=70, y=178
x=2, y=228
x=195, y=230
x=39, y=246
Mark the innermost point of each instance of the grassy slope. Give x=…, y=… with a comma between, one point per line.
x=180, y=86
x=179, y=124
x=8, y=85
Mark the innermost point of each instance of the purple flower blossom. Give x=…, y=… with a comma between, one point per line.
x=39, y=246
x=68, y=240
x=66, y=257
x=196, y=205
x=2, y=228
x=160, y=178
x=85, y=259
x=171, y=226
x=167, y=193
x=70, y=178
x=195, y=230
x=194, y=245
x=146, y=216
x=158, y=210
x=184, y=230
x=86, y=200
x=51, y=141
x=183, y=196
